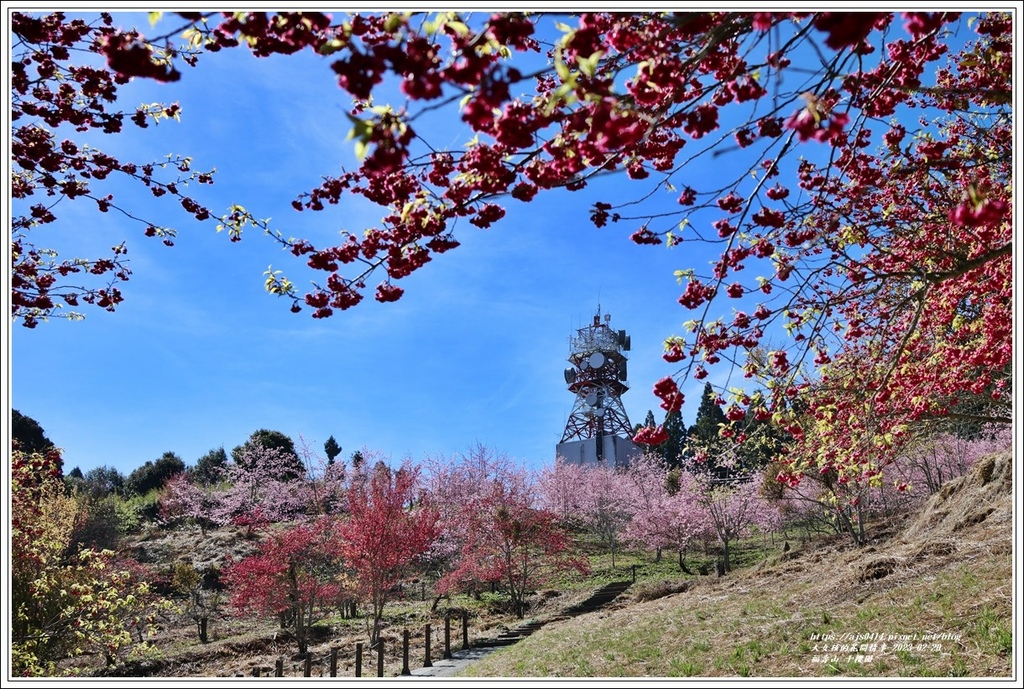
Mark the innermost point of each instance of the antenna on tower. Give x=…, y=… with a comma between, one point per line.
x=598, y=429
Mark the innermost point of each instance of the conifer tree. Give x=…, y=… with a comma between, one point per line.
x=332, y=449
x=704, y=441
x=672, y=450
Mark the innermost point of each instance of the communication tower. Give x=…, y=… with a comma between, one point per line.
x=598, y=430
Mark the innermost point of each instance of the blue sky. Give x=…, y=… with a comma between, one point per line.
x=199, y=355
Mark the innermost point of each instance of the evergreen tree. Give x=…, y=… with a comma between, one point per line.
x=30, y=436
x=763, y=443
x=332, y=449
x=154, y=474
x=357, y=460
x=704, y=445
x=672, y=450
x=208, y=468
x=103, y=481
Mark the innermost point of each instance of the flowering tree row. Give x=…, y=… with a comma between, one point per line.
x=465, y=522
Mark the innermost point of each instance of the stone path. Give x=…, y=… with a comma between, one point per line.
x=452, y=666
x=460, y=659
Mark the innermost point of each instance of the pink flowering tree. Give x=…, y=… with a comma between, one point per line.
x=183, y=499
x=647, y=478
x=666, y=512
x=560, y=487
x=458, y=487
x=683, y=520
x=327, y=480
x=733, y=508
x=931, y=461
x=606, y=504
x=256, y=495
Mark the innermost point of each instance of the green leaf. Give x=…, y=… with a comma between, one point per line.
x=154, y=17
x=362, y=147
x=394, y=21
x=683, y=275
x=193, y=36
x=332, y=46
x=459, y=28
x=589, y=65
x=560, y=67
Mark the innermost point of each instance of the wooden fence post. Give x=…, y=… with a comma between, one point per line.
x=380, y=657
x=359, y=660
x=448, y=636
x=426, y=654
x=634, y=574
x=256, y=671
x=307, y=668
x=405, y=652
x=334, y=661
x=465, y=630
x=279, y=668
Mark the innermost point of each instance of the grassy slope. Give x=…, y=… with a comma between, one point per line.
x=806, y=613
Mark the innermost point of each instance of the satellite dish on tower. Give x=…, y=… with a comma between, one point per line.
x=591, y=399
x=570, y=374
x=596, y=360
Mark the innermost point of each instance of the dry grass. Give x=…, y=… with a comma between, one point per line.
x=935, y=600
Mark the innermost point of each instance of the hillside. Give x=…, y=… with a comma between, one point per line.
x=930, y=595
x=933, y=597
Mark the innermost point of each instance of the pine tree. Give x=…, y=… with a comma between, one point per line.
x=649, y=422
x=673, y=449
x=208, y=468
x=332, y=449
x=703, y=437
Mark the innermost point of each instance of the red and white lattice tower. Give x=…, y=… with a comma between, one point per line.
x=598, y=430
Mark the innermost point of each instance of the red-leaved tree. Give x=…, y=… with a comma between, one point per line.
x=297, y=577
x=388, y=526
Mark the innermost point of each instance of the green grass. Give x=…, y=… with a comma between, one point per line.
x=762, y=625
